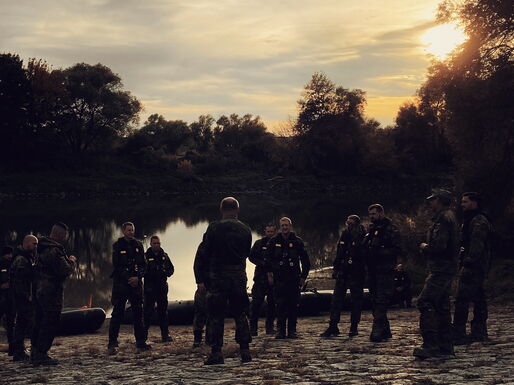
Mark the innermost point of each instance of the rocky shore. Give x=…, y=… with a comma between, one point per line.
x=309, y=360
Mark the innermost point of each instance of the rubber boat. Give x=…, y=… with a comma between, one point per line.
x=81, y=320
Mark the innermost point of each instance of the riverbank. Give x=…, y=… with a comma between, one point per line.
x=308, y=360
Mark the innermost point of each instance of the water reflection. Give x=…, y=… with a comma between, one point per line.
x=179, y=222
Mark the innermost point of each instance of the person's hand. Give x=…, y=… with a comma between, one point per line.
x=73, y=258
x=270, y=279
x=201, y=287
x=133, y=281
x=423, y=246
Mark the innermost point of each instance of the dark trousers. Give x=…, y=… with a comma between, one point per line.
x=434, y=307
x=402, y=296
x=156, y=295
x=356, y=286
x=470, y=289
x=23, y=322
x=381, y=290
x=121, y=293
x=7, y=310
x=227, y=293
x=287, y=297
x=200, y=306
x=262, y=290
x=46, y=324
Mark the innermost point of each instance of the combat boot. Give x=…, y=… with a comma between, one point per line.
x=143, y=347
x=331, y=331
x=215, y=358
x=446, y=350
x=21, y=356
x=281, y=332
x=167, y=338
x=424, y=352
x=198, y=338
x=353, y=331
x=43, y=359
x=245, y=353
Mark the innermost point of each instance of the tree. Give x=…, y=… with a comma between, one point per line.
x=96, y=109
x=201, y=130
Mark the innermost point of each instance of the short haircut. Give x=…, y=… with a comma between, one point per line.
x=355, y=218
x=229, y=204
x=473, y=196
x=376, y=206
x=127, y=224
x=154, y=237
x=7, y=250
x=286, y=219
x=270, y=225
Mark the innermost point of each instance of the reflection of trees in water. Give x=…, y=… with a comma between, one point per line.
x=95, y=225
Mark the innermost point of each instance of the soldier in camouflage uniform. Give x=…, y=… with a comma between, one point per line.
x=382, y=245
x=129, y=265
x=22, y=276
x=288, y=267
x=261, y=288
x=433, y=303
x=6, y=302
x=158, y=269
x=220, y=267
x=474, y=263
x=53, y=266
x=349, y=272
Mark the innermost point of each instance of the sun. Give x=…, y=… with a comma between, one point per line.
x=441, y=40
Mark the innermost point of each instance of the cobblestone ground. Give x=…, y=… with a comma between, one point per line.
x=309, y=360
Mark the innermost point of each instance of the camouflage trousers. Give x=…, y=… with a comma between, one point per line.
x=227, y=293
x=381, y=290
x=434, y=307
x=470, y=289
x=24, y=322
x=262, y=290
x=156, y=295
x=356, y=286
x=121, y=293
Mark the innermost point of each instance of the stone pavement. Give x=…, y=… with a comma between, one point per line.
x=306, y=361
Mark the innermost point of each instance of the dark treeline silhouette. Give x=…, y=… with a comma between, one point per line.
x=81, y=121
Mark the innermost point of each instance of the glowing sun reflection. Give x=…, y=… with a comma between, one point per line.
x=441, y=40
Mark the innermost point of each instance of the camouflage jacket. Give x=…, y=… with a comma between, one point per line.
x=475, y=241
x=383, y=245
x=224, y=248
x=287, y=257
x=258, y=258
x=443, y=243
x=158, y=268
x=22, y=273
x=350, y=252
x=128, y=260
x=52, y=266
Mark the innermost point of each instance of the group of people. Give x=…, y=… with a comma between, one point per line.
x=32, y=277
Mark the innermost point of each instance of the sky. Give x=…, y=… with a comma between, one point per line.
x=185, y=58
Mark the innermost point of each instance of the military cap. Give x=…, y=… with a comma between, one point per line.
x=444, y=196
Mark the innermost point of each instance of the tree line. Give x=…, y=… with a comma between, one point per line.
x=461, y=121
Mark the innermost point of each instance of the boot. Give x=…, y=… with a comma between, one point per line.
x=21, y=356
x=353, y=331
x=291, y=329
x=269, y=327
x=198, y=338
x=331, y=331
x=143, y=347
x=245, y=353
x=215, y=358
x=424, y=352
x=43, y=359
x=167, y=338
x=281, y=332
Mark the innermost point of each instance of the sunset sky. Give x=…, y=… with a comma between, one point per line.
x=183, y=58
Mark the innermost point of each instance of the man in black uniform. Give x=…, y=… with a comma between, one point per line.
x=382, y=243
x=433, y=302
x=349, y=272
x=129, y=265
x=6, y=302
x=53, y=266
x=261, y=288
x=288, y=267
x=474, y=264
x=158, y=269
x=22, y=276
x=220, y=266
x=402, y=293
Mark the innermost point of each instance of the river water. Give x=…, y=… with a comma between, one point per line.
x=180, y=223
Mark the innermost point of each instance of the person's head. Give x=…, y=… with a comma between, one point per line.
x=376, y=212
x=285, y=225
x=128, y=229
x=60, y=232
x=29, y=243
x=229, y=207
x=270, y=230
x=353, y=220
x=470, y=201
x=439, y=200
x=155, y=243
x=7, y=252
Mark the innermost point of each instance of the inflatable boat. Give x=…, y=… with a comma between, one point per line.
x=78, y=321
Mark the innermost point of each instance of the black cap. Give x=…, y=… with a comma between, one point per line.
x=444, y=196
